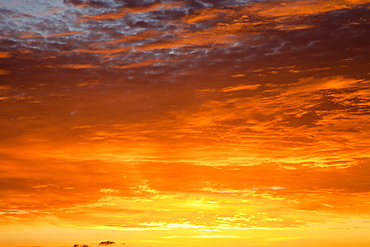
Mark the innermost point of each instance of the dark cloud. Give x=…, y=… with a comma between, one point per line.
x=248, y=47
x=73, y=2
x=308, y=119
x=7, y=12
x=133, y=3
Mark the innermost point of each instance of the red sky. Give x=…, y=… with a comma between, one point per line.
x=185, y=123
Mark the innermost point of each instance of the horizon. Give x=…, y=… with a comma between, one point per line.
x=154, y=123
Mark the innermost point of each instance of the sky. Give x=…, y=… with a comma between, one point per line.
x=158, y=123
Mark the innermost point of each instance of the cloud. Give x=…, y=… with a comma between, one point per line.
x=44, y=186
x=153, y=6
x=4, y=72
x=309, y=85
x=5, y=54
x=108, y=191
x=238, y=75
x=134, y=65
x=79, y=66
x=240, y=87
x=292, y=8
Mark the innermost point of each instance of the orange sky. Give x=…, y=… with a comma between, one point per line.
x=185, y=123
